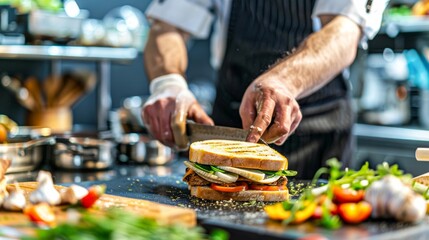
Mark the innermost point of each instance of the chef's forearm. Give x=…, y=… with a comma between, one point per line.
x=165, y=51
x=319, y=58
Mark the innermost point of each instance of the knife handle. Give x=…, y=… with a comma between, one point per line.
x=422, y=154
x=178, y=125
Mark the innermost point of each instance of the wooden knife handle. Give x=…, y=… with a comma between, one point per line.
x=178, y=124
x=422, y=154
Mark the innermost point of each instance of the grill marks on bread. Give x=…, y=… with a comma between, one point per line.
x=237, y=154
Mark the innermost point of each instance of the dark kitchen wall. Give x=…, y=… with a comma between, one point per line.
x=126, y=79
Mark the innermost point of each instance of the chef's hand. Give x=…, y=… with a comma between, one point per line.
x=168, y=107
x=269, y=110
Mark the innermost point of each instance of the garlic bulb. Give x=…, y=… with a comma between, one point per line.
x=16, y=200
x=390, y=197
x=73, y=194
x=46, y=191
x=3, y=192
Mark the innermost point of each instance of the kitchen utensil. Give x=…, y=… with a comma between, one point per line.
x=21, y=93
x=51, y=86
x=138, y=148
x=422, y=154
x=198, y=132
x=165, y=214
x=76, y=85
x=24, y=156
x=81, y=153
x=34, y=89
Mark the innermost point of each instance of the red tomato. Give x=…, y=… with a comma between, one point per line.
x=354, y=212
x=94, y=193
x=40, y=213
x=317, y=214
x=240, y=186
x=345, y=195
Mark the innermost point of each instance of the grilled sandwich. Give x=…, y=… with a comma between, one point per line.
x=241, y=171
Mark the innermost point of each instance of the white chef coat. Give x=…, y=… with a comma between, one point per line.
x=197, y=16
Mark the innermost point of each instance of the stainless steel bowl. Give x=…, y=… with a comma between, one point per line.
x=81, y=153
x=139, y=148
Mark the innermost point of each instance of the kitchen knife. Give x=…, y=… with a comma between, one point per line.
x=199, y=132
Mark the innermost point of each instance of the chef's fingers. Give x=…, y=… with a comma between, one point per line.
x=265, y=110
x=151, y=120
x=280, y=126
x=197, y=113
x=296, y=116
x=247, y=112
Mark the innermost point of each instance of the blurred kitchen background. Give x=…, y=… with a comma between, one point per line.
x=98, y=44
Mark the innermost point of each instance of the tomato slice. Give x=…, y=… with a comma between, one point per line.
x=238, y=187
x=266, y=187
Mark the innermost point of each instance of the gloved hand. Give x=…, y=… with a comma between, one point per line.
x=269, y=110
x=167, y=109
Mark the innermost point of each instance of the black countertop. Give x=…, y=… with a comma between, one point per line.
x=246, y=220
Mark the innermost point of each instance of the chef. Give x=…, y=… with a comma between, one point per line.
x=280, y=71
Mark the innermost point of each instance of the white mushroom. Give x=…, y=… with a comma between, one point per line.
x=46, y=191
x=73, y=194
x=390, y=197
x=16, y=200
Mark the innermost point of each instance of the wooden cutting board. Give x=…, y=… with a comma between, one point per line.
x=164, y=214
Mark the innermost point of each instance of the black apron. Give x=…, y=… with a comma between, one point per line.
x=259, y=34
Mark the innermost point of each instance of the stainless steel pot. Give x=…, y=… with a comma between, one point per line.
x=25, y=156
x=139, y=148
x=81, y=153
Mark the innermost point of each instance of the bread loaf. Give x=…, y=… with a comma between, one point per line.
x=237, y=154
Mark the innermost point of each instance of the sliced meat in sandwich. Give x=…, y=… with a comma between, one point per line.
x=241, y=171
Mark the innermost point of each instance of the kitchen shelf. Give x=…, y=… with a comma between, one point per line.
x=102, y=55
x=377, y=132
x=67, y=53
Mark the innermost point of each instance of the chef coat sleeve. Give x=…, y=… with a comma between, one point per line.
x=192, y=16
x=366, y=13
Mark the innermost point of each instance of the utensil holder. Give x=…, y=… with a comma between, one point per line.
x=59, y=120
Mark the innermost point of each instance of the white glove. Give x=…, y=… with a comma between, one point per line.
x=167, y=109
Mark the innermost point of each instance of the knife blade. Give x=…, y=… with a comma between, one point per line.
x=200, y=132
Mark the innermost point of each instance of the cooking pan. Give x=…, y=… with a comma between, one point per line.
x=140, y=148
x=25, y=156
x=82, y=153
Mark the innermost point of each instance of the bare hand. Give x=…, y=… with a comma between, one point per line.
x=270, y=111
x=161, y=108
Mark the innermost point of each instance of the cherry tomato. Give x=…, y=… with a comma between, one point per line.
x=345, y=195
x=40, y=213
x=240, y=186
x=94, y=193
x=354, y=212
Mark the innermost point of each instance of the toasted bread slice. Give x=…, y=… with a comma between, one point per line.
x=207, y=193
x=237, y=154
